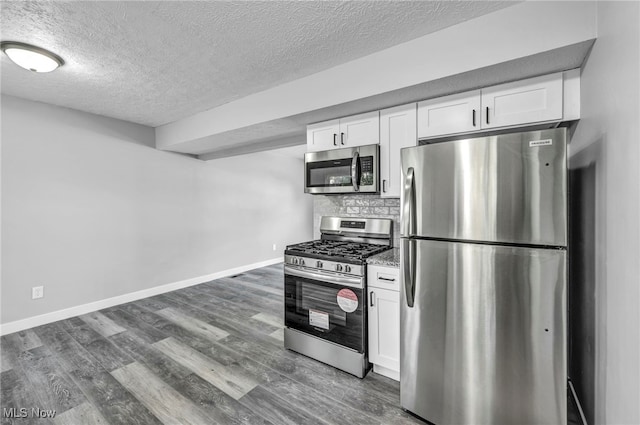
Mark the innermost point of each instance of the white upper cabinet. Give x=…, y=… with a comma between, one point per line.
x=450, y=114
x=530, y=101
x=397, y=131
x=522, y=102
x=357, y=130
x=360, y=130
x=546, y=99
x=323, y=136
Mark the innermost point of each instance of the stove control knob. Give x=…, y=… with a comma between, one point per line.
x=338, y=267
x=319, y=264
x=294, y=261
x=301, y=261
x=347, y=269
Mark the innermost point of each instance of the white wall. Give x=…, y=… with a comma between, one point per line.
x=607, y=140
x=91, y=211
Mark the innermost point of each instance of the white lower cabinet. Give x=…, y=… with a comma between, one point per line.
x=384, y=320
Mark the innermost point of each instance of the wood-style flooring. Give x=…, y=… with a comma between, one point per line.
x=207, y=354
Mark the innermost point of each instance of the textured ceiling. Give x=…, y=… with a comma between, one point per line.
x=156, y=62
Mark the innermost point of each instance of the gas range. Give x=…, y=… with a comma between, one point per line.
x=326, y=291
x=332, y=255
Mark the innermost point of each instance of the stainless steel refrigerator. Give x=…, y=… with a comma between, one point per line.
x=483, y=293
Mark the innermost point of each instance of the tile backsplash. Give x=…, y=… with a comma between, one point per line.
x=357, y=206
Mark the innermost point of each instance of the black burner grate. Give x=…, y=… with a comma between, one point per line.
x=338, y=249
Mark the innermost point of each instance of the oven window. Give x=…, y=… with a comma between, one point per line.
x=329, y=173
x=312, y=307
x=320, y=301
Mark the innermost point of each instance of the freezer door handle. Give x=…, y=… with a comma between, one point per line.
x=408, y=206
x=409, y=269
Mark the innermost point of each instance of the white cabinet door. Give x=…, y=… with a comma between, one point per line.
x=397, y=131
x=384, y=329
x=360, y=130
x=458, y=113
x=523, y=102
x=323, y=136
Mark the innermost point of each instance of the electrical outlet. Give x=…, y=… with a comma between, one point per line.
x=37, y=292
x=274, y=247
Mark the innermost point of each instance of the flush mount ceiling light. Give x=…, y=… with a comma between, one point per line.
x=30, y=57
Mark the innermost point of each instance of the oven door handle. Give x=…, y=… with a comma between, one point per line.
x=353, y=282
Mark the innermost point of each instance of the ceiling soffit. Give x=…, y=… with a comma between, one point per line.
x=455, y=59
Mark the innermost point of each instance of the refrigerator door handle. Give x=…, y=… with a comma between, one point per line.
x=408, y=207
x=409, y=269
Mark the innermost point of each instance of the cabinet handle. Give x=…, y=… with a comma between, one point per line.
x=334, y=139
x=384, y=185
x=342, y=138
x=474, y=117
x=386, y=279
x=487, y=115
x=372, y=297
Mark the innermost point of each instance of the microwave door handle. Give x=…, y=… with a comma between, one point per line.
x=354, y=170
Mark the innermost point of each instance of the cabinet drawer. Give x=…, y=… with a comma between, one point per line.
x=383, y=277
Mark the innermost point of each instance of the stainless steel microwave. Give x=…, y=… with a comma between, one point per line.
x=347, y=170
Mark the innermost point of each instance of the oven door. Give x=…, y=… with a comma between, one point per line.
x=326, y=308
x=345, y=170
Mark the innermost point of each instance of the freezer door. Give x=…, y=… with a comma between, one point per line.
x=509, y=188
x=484, y=342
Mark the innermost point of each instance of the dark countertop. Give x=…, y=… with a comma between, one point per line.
x=389, y=258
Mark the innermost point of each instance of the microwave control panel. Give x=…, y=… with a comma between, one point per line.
x=366, y=168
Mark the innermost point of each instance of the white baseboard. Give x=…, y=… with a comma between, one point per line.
x=385, y=371
x=54, y=316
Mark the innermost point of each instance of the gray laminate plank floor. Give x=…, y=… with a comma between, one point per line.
x=210, y=353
